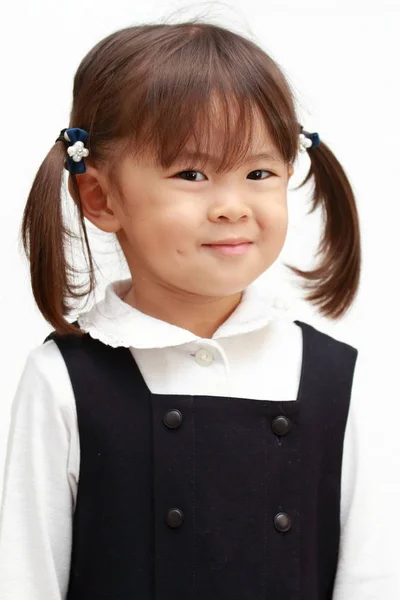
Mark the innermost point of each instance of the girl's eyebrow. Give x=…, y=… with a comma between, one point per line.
x=213, y=160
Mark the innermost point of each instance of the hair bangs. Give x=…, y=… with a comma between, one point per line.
x=204, y=101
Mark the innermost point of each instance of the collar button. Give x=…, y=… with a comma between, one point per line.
x=204, y=357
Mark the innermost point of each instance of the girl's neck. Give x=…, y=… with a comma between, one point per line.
x=201, y=317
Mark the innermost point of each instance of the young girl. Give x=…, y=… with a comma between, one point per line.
x=183, y=439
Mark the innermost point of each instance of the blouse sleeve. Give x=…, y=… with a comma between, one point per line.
x=369, y=565
x=40, y=482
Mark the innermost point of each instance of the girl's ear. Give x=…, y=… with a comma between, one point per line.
x=93, y=193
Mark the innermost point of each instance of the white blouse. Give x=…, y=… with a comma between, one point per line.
x=256, y=353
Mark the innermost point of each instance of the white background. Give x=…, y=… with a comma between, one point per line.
x=342, y=60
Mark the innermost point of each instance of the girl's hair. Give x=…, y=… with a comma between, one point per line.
x=147, y=89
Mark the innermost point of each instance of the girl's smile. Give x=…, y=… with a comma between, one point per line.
x=229, y=249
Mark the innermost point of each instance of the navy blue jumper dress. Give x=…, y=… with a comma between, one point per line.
x=185, y=497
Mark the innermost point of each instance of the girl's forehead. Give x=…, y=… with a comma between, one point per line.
x=260, y=147
x=260, y=150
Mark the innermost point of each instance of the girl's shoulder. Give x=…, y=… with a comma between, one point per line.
x=45, y=382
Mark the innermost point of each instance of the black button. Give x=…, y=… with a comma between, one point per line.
x=281, y=425
x=282, y=522
x=173, y=418
x=174, y=517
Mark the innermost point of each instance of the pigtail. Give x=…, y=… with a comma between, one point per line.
x=334, y=283
x=44, y=235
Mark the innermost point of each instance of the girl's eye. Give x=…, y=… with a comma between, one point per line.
x=271, y=174
x=191, y=171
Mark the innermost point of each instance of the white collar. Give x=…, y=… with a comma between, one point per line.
x=116, y=323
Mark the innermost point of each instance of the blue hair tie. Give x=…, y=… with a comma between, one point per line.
x=75, y=139
x=307, y=140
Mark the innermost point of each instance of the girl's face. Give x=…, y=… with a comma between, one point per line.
x=168, y=217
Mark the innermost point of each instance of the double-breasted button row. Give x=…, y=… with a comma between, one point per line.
x=174, y=518
x=173, y=419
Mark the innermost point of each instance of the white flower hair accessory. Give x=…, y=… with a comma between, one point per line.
x=75, y=139
x=78, y=151
x=307, y=140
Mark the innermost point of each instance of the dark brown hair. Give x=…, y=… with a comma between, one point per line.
x=148, y=88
